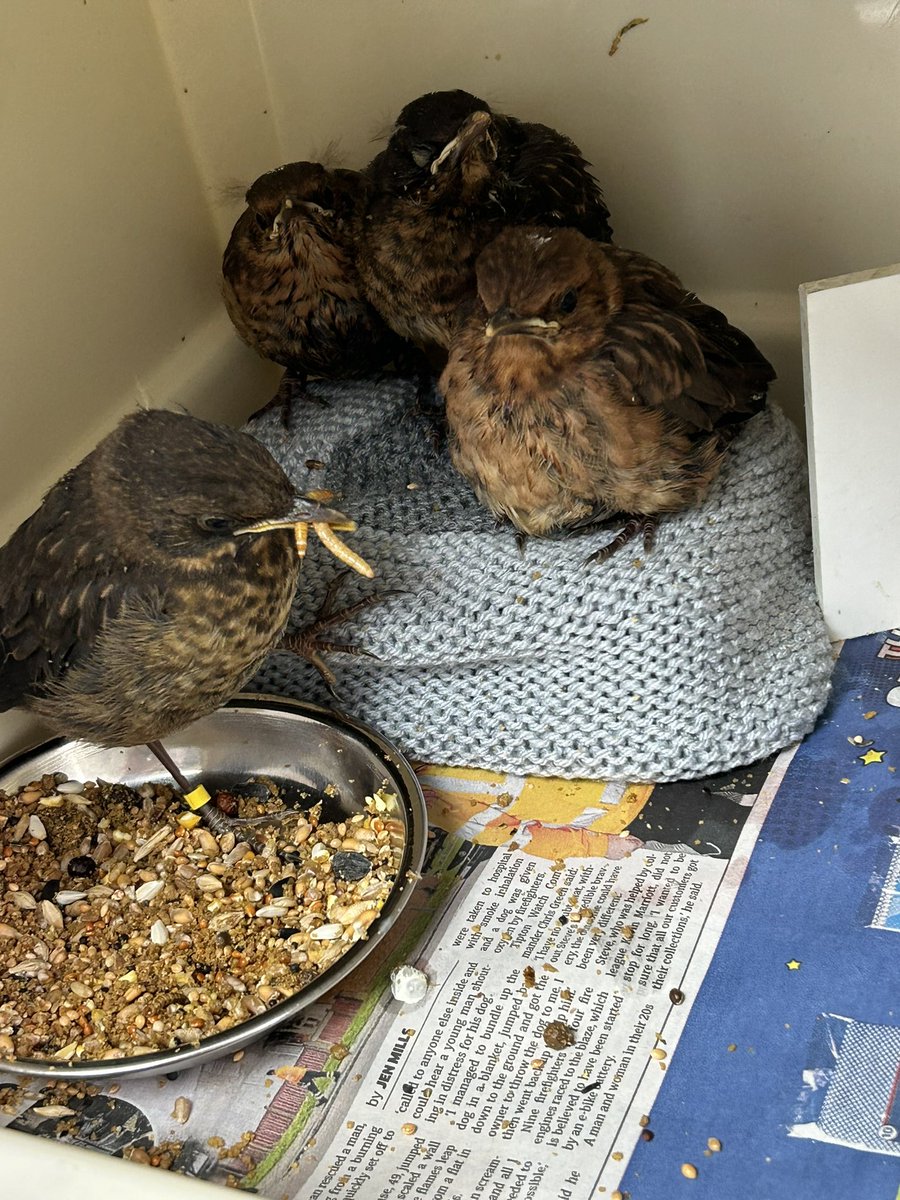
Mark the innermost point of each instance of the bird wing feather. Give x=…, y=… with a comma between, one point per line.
x=547, y=181
x=56, y=595
x=666, y=349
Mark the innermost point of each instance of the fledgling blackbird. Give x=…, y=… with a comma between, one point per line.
x=588, y=382
x=289, y=282
x=152, y=581
x=453, y=174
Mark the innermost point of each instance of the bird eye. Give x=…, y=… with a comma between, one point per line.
x=421, y=155
x=569, y=301
x=216, y=524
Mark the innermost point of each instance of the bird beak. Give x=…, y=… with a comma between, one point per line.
x=505, y=322
x=476, y=127
x=306, y=511
x=310, y=510
x=280, y=217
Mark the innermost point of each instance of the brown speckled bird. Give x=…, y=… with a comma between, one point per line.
x=289, y=282
x=588, y=383
x=151, y=582
x=453, y=174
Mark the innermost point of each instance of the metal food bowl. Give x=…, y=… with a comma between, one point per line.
x=303, y=749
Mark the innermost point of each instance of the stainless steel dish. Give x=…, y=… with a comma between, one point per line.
x=302, y=748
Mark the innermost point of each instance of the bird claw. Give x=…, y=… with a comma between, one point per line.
x=641, y=524
x=307, y=643
x=428, y=410
x=291, y=387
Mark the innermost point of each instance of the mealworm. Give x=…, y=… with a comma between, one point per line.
x=625, y=28
x=340, y=550
x=301, y=536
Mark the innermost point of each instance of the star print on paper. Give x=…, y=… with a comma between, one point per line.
x=793, y=965
x=872, y=756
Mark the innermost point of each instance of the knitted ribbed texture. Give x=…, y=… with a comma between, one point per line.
x=708, y=653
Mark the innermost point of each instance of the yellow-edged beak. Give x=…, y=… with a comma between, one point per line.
x=280, y=217
x=473, y=129
x=311, y=511
x=306, y=511
x=505, y=322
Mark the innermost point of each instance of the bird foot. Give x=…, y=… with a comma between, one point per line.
x=309, y=644
x=428, y=409
x=638, y=524
x=292, y=387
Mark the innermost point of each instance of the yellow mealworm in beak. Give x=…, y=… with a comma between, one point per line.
x=301, y=537
x=340, y=550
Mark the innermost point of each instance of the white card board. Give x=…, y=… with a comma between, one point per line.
x=851, y=362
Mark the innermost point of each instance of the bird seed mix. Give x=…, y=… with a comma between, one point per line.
x=123, y=933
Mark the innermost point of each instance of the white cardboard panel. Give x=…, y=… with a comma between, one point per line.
x=851, y=358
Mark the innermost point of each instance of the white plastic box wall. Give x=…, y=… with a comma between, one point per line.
x=750, y=146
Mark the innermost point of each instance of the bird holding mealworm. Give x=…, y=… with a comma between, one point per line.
x=289, y=281
x=153, y=580
x=453, y=174
x=589, y=383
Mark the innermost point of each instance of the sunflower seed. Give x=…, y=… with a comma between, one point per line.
x=151, y=843
x=159, y=935
x=28, y=966
x=51, y=915
x=327, y=933
x=349, y=865
x=36, y=827
x=236, y=853
x=224, y=921
x=148, y=891
x=23, y=900
x=70, y=787
x=65, y=897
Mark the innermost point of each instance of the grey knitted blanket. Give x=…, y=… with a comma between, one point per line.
x=708, y=653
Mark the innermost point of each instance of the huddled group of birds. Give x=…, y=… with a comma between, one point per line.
x=580, y=381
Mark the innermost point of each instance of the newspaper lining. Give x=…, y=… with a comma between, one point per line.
x=461, y=1096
